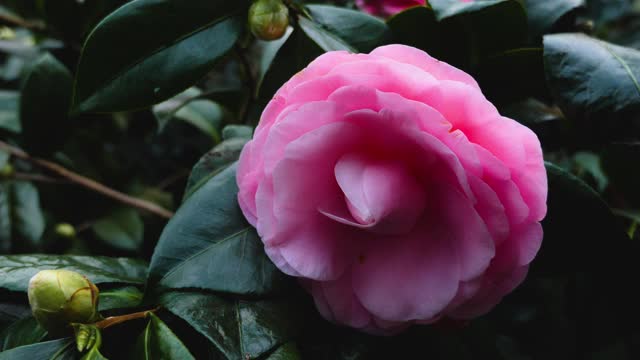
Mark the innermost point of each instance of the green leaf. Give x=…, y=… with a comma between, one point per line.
x=11, y=312
x=595, y=83
x=23, y=332
x=16, y=270
x=123, y=229
x=218, y=158
x=326, y=40
x=4, y=158
x=544, y=14
x=239, y=329
x=61, y=349
x=9, y=111
x=120, y=298
x=361, y=31
x=150, y=50
x=44, y=105
x=288, y=351
x=159, y=342
x=204, y=114
x=209, y=245
x=21, y=219
x=404, y=25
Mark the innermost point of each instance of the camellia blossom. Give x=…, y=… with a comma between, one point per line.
x=394, y=190
x=387, y=7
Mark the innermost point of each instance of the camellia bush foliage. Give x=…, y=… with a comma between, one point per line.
x=128, y=219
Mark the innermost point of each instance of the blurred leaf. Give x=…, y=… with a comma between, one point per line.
x=145, y=51
x=159, y=342
x=608, y=10
x=593, y=81
x=44, y=104
x=209, y=245
x=120, y=298
x=589, y=163
x=240, y=329
x=360, y=31
x=9, y=111
x=16, y=270
x=220, y=156
x=61, y=349
x=288, y=351
x=544, y=14
x=21, y=219
x=23, y=332
x=11, y=312
x=122, y=229
x=4, y=158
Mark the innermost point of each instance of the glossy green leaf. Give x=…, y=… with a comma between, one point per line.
x=159, y=342
x=61, y=349
x=325, y=39
x=404, y=25
x=44, y=105
x=288, y=351
x=544, y=14
x=595, y=83
x=219, y=157
x=120, y=298
x=23, y=332
x=147, y=51
x=9, y=111
x=21, y=218
x=209, y=245
x=122, y=229
x=238, y=328
x=360, y=31
x=16, y=270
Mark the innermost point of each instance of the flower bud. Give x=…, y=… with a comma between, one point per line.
x=61, y=297
x=268, y=19
x=65, y=230
x=6, y=171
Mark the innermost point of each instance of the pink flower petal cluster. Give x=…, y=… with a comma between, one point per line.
x=387, y=7
x=394, y=190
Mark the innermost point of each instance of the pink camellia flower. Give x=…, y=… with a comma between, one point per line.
x=392, y=188
x=387, y=7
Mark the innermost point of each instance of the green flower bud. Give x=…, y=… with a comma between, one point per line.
x=6, y=171
x=268, y=19
x=65, y=230
x=61, y=297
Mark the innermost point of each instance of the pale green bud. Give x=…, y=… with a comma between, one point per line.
x=268, y=19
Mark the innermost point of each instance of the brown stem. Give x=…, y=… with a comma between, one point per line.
x=38, y=178
x=88, y=183
x=115, y=320
x=17, y=21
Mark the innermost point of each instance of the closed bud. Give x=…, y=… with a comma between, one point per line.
x=61, y=297
x=65, y=230
x=268, y=19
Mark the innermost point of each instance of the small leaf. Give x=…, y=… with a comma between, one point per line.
x=361, y=31
x=21, y=218
x=9, y=111
x=120, y=298
x=159, y=342
x=23, y=332
x=16, y=270
x=61, y=349
x=146, y=52
x=122, y=229
x=239, y=329
x=595, y=83
x=209, y=245
x=44, y=105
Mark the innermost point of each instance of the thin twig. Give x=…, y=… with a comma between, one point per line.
x=87, y=183
x=17, y=21
x=38, y=178
x=115, y=320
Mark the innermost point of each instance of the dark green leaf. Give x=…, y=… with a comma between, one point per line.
x=361, y=31
x=16, y=270
x=147, y=51
x=209, y=245
x=11, y=312
x=120, y=298
x=325, y=39
x=9, y=111
x=288, y=351
x=608, y=10
x=122, y=229
x=220, y=156
x=61, y=349
x=4, y=158
x=21, y=219
x=420, y=18
x=239, y=329
x=44, y=105
x=23, y=332
x=595, y=83
x=619, y=161
x=544, y=14
x=159, y=342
